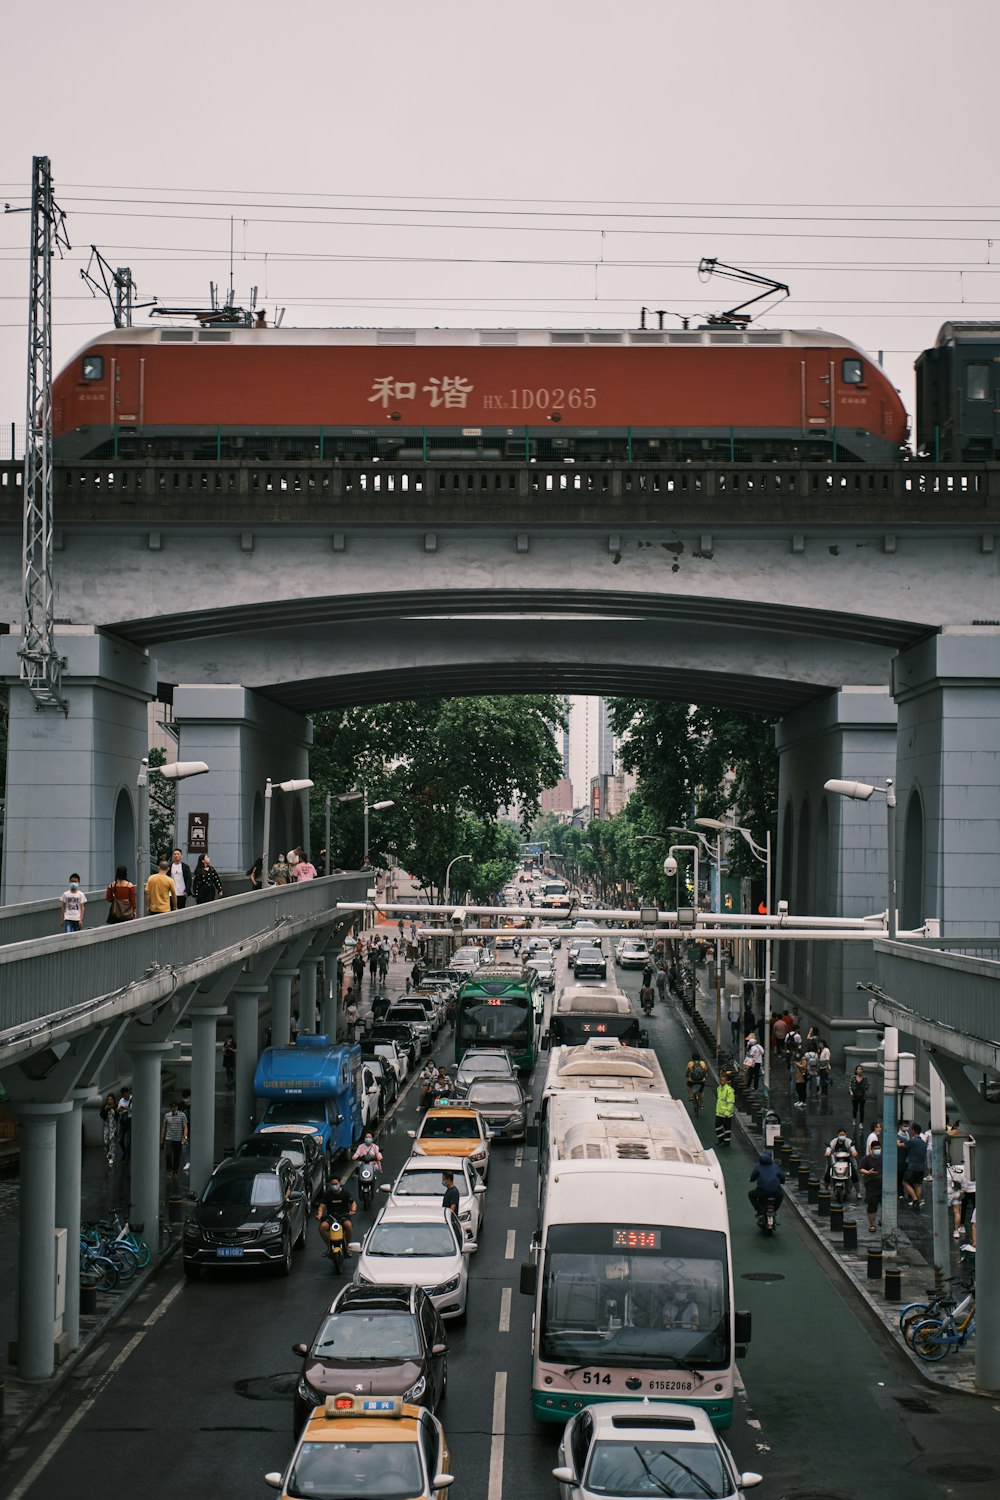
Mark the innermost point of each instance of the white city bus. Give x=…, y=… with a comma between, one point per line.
x=631, y=1268
x=581, y=1011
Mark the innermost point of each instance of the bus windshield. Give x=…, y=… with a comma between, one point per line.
x=635, y=1294
x=499, y=1022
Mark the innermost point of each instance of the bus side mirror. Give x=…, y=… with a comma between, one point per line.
x=643, y=1038
x=531, y=1135
x=742, y=1332
x=545, y=1042
x=529, y=1279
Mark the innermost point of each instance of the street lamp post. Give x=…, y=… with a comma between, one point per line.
x=270, y=787
x=369, y=807
x=764, y=855
x=177, y=770
x=447, y=876
x=862, y=791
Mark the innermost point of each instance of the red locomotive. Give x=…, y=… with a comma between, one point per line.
x=714, y=393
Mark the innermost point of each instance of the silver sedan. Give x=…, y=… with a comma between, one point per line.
x=634, y=1449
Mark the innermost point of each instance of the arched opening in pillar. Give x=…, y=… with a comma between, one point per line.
x=802, y=895
x=785, y=881
x=912, y=904
x=123, y=835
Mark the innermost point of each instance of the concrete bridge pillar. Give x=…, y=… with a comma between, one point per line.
x=244, y=739
x=71, y=793
x=307, y=994
x=831, y=853
x=36, y=1269
x=947, y=689
x=69, y=1163
x=281, y=1007
x=204, y=1026
x=246, y=1011
x=147, y=1063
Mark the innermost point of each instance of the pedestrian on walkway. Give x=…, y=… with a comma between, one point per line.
x=304, y=869
x=229, y=1061
x=206, y=885
x=109, y=1115
x=725, y=1104
x=871, y=1181
x=735, y=1023
x=749, y=1024
x=753, y=1061
x=824, y=1066
x=161, y=897
x=125, y=1122
x=293, y=1027
x=778, y=1029
x=859, y=1093
x=255, y=874
x=72, y=902
x=280, y=873
x=800, y=1067
x=383, y=965
x=120, y=896
x=173, y=1134
x=916, y=1165
x=180, y=874
x=372, y=963
x=875, y=1134
x=358, y=966
x=351, y=1018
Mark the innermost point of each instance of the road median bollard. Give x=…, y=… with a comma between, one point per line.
x=874, y=1264
x=850, y=1234
x=893, y=1283
x=804, y=1177
x=836, y=1218
x=823, y=1203
x=88, y=1301
x=812, y=1189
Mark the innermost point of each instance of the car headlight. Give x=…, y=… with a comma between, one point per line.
x=273, y=1226
x=479, y=1154
x=192, y=1231
x=416, y=1391
x=465, y=1217
x=307, y=1393
x=447, y=1286
x=360, y=1280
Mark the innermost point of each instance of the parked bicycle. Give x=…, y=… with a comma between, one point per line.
x=935, y=1338
x=97, y=1270
x=99, y=1240
x=939, y=1300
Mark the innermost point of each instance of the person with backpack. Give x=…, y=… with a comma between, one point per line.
x=696, y=1074
x=120, y=896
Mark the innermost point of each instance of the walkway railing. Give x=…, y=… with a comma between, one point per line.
x=67, y=975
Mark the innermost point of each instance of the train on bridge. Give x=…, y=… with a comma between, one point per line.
x=712, y=394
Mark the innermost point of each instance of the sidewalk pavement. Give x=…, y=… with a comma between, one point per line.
x=809, y=1132
x=102, y=1191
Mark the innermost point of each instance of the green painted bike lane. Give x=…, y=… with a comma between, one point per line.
x=823, y=1389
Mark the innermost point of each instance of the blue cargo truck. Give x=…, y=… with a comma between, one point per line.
x=312, y=1086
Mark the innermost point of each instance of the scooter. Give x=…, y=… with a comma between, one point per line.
x=647, y=1004
x=367, y=1181
x=336, y=1242
x=841, y=1175
x=767, y=1216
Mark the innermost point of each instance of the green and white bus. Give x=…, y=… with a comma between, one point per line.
x=496, y=1008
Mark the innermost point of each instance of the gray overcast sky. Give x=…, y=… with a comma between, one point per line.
x=784, y=136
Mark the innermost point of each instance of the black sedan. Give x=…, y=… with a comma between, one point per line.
x=299, y=1147
x=384, y=1339
x=396, y=1031
x=251, y=1213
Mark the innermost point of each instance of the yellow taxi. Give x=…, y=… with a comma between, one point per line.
x=367, y=1446
x=453, y=1129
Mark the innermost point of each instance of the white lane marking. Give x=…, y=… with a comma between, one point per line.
x=751, y=1420
x=49, y=1453
x=495, y=1489
x=519, y=1157
x=515, y=1193
x=505, y=1297
x=509, y=1252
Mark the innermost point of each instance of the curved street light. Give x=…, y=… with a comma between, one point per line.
x=358, y=795
x=175, y=770
x=447, y=876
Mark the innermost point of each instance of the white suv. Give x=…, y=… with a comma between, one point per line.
x=419, y=1185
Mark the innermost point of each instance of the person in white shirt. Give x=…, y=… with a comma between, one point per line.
x=71, y=908
x=180, y=874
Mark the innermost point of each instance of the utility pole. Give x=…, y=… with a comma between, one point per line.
x=41, y=667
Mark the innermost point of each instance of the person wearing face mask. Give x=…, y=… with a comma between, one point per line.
x=369, y=1151
x=72, y=903
x=871, y=1181
x=841, y=1146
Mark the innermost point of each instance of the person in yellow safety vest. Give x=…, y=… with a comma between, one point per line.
x=725, y=1103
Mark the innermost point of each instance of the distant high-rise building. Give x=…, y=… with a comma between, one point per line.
x=565, y=749
x=558, y=798
x=605, y=740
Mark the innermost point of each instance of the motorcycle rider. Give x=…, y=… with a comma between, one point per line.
x=369, y=1151
x=428, y=1078
x=336, y=1203
x=844, y=1148
x=696, y=1073
x=768, y=1178
x=647, y=995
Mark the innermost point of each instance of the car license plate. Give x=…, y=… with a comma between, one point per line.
x=229, y=1252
